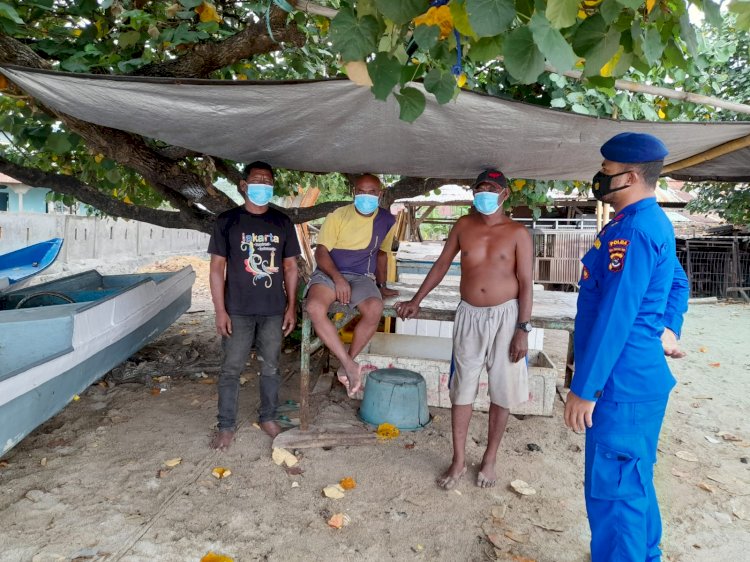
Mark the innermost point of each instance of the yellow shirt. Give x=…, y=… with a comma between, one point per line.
x=346, y=229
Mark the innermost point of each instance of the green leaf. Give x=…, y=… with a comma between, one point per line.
x=713, y=15
x=525, y=8
x=490, y=17
x=589, y=34
x=623, y=65
x=523, y=60
x=128, y=39
x=441, y=84
x=411, y=73
x=578, y=108
x=58, y=143
x=402, y=11
x=411, y=102
x=384, y=72
x=8, y=12
x=486, y=49
x=562, y=13
x=602, y=52
x=652, y=46
x=190, y=4
x=461, y=19
x=552, y=44
x=632, y=4
x=354, y=38
x=687, y=32
x=601, y=82
x=426, y=36
x=113, y=176
x=610, y=9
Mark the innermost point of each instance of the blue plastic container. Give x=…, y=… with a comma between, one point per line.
x=395, y=396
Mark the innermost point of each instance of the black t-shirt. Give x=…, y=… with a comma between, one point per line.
x=254, y=246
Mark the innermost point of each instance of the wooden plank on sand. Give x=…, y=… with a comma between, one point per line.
x=322, y=436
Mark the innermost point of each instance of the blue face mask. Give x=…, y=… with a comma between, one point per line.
x=366, y=204
x=487, y=202
x=259, y=193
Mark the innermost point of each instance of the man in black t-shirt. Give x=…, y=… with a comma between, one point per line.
x=253, y=282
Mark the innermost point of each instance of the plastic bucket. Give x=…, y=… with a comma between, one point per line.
x=395, y=396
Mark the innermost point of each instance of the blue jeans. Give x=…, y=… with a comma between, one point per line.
x=236, y=350
x=619, y=485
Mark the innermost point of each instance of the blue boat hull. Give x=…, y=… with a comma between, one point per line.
x=21, y=265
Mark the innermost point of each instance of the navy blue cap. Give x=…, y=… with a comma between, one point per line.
x=633, y=148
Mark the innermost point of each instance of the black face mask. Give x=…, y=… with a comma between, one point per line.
x=601, y=184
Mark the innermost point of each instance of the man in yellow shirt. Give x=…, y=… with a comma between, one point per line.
x=352, y=270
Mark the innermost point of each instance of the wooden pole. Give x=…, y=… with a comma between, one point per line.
x=715, y=152
x=599, y=216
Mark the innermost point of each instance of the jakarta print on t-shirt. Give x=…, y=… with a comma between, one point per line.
x=255, y=247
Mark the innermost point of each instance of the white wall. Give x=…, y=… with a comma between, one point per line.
x=96, y=238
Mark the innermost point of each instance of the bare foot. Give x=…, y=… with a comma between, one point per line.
x=486, y=476
x=271, y=428
x=351, y=377
x=222, y=440
x=452, y=476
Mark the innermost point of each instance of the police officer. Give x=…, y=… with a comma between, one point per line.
x=633, y=294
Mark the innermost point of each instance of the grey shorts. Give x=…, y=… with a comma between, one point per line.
x=481, y=339
x=363, y=286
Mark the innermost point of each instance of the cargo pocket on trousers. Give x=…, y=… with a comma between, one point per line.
x=616, y=475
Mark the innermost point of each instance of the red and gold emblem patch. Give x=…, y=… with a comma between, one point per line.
x=617, y=249
x=585, y=273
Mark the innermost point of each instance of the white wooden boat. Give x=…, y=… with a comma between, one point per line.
x=58, y=338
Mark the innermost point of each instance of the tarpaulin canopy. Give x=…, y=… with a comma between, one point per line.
x=337, y=126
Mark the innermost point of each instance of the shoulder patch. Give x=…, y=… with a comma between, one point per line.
x=585, y=273
x=597, y=243
x=617, y=249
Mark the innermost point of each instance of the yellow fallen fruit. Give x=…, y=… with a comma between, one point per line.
x=213, y=557
x=171, y=463
x=339, y=520
x=221, y=472
x=387, y=431
x=348, y=483
x=335, y=492
x=76, y=398
x=282, y=456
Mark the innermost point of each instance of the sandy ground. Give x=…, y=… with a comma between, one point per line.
x=91, y=484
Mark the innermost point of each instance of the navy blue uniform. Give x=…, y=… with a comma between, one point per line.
x=632, y=287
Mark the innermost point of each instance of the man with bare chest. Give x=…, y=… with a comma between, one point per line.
x=492, y=321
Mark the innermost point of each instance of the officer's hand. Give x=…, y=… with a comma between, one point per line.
x=223, y=324
x=407, y=309
x=578, y=412
x=519, y=346
x=671, y=345
x=343, y=290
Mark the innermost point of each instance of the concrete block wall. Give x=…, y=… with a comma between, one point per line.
x=93, y=238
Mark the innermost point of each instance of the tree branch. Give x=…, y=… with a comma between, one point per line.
x=412, y=187
x=205, y=58
x=69, y=185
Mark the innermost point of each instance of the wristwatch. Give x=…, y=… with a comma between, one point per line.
x=381, y=285
x=525, y=326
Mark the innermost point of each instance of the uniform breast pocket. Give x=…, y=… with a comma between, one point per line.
x=619, y=473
